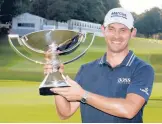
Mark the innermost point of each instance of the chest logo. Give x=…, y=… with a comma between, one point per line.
x=124, y=80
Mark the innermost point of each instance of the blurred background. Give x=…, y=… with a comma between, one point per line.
x=19, y=79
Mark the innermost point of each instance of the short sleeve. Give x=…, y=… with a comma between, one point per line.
x=79, y=75
x=142, y=82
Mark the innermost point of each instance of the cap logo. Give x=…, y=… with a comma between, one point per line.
x=118, y=14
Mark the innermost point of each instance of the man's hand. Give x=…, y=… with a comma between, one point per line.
x=72, y=93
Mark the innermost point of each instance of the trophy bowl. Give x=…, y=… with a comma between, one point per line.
x=58, y=44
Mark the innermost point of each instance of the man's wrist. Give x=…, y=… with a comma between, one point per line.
x=84, y=97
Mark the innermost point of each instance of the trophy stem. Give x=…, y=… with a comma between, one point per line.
x=52, y=80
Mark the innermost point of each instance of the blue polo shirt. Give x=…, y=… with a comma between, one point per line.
x=131, y=76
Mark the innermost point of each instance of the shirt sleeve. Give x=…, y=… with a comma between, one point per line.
x=79, y=75
x=142, y=82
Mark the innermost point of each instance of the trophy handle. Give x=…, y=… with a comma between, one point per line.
x=77, y=57
x=14, y=36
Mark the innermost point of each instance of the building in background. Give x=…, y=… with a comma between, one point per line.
x=27, y=23
x=84, y=26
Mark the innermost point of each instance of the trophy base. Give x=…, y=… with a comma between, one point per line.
x=46, y=90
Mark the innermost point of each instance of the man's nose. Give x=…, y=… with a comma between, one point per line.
x=117, y=34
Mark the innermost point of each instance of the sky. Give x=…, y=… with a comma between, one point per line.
x=139, y=6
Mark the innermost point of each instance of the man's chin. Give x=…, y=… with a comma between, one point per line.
x=116, y=50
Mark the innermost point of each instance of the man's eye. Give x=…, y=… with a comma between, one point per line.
x=123, y=30
x=110, y=29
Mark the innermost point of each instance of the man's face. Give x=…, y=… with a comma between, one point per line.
x=117, y=36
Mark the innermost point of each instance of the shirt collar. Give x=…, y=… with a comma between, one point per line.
x=128, y=60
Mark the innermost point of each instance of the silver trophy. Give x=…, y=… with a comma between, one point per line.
x=58, y=43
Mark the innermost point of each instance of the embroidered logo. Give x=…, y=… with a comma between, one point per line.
x=118, y=14
x=124, y=80
x=145, y=90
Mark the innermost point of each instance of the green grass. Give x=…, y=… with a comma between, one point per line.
x=152, y=112
x=21, y=102
x=19, y=81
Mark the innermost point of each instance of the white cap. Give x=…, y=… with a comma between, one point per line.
x=119, y=15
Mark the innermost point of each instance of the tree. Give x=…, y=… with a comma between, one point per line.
x=63, y=10
x=7, y=8
x=88, y=11
x=59, y=10
x=11, y=8
x=22, y=6
x=39, y=7
x=95, y=10
x=135, y=16
x=109, y=4
x=1, y=4
x=150, y=22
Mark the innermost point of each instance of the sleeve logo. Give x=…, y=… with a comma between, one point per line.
x=145, y=90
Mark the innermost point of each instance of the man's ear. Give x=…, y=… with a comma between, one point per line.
x=103, y=29
x=134, y=32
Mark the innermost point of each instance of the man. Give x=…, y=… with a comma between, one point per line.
x=114, y=88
